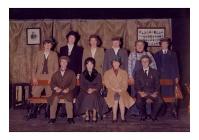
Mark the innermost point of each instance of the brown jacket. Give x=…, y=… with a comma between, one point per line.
x=120, y=81
x=99, y=58
x=68, y=80
x=38, y=62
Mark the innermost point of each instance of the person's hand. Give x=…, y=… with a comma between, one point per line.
x=90, y=91
x=49, y=81
x=78, y=76
x=57, y=89
x=66, y=90
x=176, y=80
x=34, y=82
x=131, y=80
x=142, y=94
x=74, y=100
x=154, y=95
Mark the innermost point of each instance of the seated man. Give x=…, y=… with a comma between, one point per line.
x=147, y=85
x=62, y=84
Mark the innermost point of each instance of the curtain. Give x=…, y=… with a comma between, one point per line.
x=21, y=54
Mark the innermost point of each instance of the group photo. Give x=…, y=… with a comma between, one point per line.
x=99, y=70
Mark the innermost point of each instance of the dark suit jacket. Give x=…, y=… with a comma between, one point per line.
x=75, y=63
x=68, y=80
x=167, y=64
x=110, y=55
x=148, y=84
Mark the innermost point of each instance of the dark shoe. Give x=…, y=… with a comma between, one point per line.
x=175, y=115
x=52, y=121
x=114, y=121
x=124, y=121
x=154, y=119
x=143, y=118
x=71, y=121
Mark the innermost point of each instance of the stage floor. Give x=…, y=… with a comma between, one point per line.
x=17, y=123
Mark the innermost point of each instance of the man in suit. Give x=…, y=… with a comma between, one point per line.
x=45, y=63
x=147, y=85
x=62, y=84
x=167, y=65
x=115, y=51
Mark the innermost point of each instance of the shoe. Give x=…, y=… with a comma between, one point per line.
x=143, y=118
x=114, y=121
x=154, y=119
x=52, y=121
x=124, y=121
x=174, y=114
x=71, y=121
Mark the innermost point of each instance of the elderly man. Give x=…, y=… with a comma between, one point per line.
x=62, y=84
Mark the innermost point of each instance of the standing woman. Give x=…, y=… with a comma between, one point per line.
x=95, y=52
x=90, y=85
x=168, y=68
x=134, y=63
x=116, y=81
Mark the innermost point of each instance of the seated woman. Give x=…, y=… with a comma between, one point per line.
x=116, y=81
x=90, y=85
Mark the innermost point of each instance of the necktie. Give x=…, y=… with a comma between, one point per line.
x=146, y=72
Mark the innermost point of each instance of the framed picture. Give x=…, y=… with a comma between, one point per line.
x=33, y=36
x=151, y=35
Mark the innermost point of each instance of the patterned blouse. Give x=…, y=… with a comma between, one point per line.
x=136, y=56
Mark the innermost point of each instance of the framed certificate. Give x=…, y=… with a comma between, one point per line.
x=151, y=35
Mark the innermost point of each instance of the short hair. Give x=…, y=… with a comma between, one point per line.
x=166, y=39
x=64, y=58
x=146, y=56
x=137, y=41
x=89, y=59
x=97, y=38
x=117, y=58
x=47, y=41
x=116, y=39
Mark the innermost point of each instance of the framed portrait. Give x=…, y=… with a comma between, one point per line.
x=151, y=35
x=33, y=36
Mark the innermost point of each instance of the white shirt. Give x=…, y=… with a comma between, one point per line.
x=165, y=51
x=147, y=70
x=46, y=54
x=116, y=50
x=70, y=48
x=93, y=51
x=62, y=72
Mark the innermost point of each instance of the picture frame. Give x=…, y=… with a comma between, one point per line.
x=151, y=35
x=33, y=36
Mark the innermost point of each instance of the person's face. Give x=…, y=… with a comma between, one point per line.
x=139, y=46
x=116, y=43
x=164, y=45
x=116, y=65
x=93, y=42
x=89, y=66
x=47, y=46
x=71, y=39
x=145, y=62
x=63, y=64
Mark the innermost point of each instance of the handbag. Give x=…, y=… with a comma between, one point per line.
x=103, y=91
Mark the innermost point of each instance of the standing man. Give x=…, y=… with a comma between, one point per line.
x=45, y=63
x=167, y=65
x=62, y=84
x=147, y=85
x=113, y=52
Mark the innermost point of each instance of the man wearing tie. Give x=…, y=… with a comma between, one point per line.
x=147, y=85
